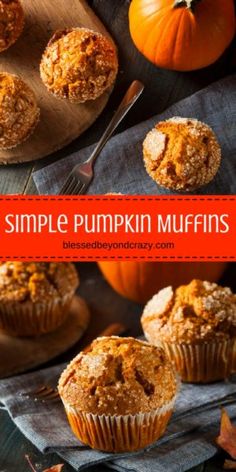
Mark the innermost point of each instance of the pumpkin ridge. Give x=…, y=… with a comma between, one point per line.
x=174, y=48
x=160, y=38
x=162, y=7
x=192, y=26
x=151, y=32
x=167, y=7
x=160, y=20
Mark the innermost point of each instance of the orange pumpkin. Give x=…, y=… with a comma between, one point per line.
x=182, y=35
x=139, y=281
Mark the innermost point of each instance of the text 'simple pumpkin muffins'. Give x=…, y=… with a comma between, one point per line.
x=35, y=297
x=19, y=112
x=196, y=325
x=11, y=22
x=79, y=64
x=119, y=394
x=181, y=154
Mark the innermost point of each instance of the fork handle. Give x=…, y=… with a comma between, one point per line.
x=114, y=329
x=132, y=94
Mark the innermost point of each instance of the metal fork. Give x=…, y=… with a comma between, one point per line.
x=46, y=393
x=82, y=174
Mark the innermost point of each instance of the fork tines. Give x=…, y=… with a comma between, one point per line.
x=72, y=186
x=43, y=393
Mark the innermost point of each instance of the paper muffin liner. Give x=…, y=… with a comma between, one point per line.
x=32, y=319
x=121, y=433
x=202, y=363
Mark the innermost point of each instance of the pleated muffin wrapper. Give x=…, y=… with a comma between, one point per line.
x=32, y=319
x=119, y=433
x=204, y=362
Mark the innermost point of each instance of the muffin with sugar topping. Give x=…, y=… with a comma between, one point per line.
x=35, y=297
x=19, y=112
x=119, y=394
x=11, y=22
x=196, y=325
x=79, y=64
x=181, y=154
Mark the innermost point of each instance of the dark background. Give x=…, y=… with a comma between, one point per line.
x=162, y=89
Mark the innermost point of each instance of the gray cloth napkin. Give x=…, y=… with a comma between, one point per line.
x=120, y=167
x=189, y=439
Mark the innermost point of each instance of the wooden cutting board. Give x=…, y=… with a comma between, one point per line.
x=18, y=355
x=61, y=122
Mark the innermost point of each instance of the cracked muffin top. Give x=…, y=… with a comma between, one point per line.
x=194, y=313
x=79, y=64
x=11, y=22
x=118, y=376
x=19, y=112
x=36, y=281
x=181, y=154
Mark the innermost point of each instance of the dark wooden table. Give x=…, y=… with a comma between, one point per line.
x=106, y=307
x=163, y=88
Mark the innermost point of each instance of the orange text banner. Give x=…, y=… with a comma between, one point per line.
x=118, y=227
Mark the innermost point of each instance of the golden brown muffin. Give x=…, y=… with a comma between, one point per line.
x=35, y=296
x=19, y=113
x=79, y=64
x=181, y=154
x=122, y=384
x=11, y=22
x=196, y=324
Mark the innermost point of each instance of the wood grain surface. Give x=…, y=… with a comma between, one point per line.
x=61, y=121
x=21, y=354
x=163, y=88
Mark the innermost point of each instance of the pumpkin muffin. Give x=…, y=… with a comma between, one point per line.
x=119, y=394
x=35, y=297
x=11, y=22
x=79, y=64
x=19, y=113
x=181, y=154
x=196, y=325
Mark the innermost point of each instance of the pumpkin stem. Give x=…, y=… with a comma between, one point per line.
x=190, y=4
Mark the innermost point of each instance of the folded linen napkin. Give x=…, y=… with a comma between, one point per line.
x=189, y=439
x=120, y=167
